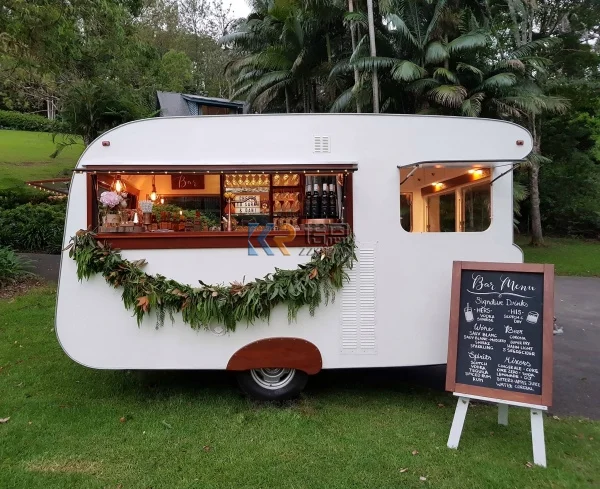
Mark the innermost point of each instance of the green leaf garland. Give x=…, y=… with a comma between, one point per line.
x=229, y=305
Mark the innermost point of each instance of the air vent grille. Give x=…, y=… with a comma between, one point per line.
x=322, y=144
x=358, y=315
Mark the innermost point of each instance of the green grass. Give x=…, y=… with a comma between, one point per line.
x=569, y=255
x=26, y=156
x=194, y=430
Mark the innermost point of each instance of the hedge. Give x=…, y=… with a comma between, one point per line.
x=29, y=122
x=37, y=228
x=14, y=197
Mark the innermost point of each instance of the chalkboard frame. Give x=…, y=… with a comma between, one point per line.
x=545, y=398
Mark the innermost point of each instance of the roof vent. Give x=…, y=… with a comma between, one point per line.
x=322, y=144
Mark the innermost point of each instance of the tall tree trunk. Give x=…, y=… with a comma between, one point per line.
x=287, y=99
x=371, y=23
x=305, y=99
x=447, y=60
x=537, y=237
x=522, y=15
x=356, y=74
x=312, y=97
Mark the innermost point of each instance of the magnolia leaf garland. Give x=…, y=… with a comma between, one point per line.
x=307, y=285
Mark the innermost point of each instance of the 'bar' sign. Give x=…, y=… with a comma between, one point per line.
x=187, y=182
x=501, y=331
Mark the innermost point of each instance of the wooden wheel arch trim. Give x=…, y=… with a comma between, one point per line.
x=278, y=352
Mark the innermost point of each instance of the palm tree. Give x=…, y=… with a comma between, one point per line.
x=287, y=51
x=425, y=50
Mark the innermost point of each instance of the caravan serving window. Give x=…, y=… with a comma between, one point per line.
x=189, y=209
x=452, y=198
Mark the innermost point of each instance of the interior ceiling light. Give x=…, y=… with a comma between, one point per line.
x=153, y=194
x=118, y=185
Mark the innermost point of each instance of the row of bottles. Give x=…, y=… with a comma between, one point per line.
x=320, y=201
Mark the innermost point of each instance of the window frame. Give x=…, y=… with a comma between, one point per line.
x=451, y=191
x=454, y=185
x=214, y=239
x=410, y=213
x=462, y=203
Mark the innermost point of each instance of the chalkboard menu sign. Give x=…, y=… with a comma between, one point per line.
x=501, y=321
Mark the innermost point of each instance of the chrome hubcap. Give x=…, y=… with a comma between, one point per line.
x=273, y=378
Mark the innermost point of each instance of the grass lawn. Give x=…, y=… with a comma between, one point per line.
x=569, y=255
x=26, y=156
x=194, y=430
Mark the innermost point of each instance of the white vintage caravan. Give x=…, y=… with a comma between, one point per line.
x=417, y=191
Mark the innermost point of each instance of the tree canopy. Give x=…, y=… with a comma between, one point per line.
x=536, y=63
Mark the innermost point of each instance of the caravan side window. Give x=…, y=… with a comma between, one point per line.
x=227, y=208
x=445, y=199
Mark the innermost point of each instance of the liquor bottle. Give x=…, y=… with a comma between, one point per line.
x=307, y=200
x=333, y=213
x=325, y=201
x=316, y=201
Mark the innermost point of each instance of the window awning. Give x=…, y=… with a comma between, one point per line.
x=439, y=164
x=243, y=168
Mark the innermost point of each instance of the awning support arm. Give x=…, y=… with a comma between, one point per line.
x=409, y=174
x=515, y=166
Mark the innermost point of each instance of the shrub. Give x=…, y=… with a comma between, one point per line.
x=12, y=267
x=33, y=227
x=14, y=197
x=29, y=122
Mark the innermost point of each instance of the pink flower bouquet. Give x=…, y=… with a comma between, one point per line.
x=111, y=199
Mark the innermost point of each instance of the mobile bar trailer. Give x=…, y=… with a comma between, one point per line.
x=417, y=192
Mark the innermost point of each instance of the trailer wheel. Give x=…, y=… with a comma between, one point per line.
x=272, y=384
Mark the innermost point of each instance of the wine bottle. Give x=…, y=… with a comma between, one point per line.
x=325, y=201
x=307, y=200
x=333, y=213
x=316, y=201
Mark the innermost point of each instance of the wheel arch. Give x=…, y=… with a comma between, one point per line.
x=278, y=352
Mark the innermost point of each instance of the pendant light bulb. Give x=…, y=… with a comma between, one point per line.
x=153, y=194
x=118, y=185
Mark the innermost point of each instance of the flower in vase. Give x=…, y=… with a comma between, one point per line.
x=111, y=199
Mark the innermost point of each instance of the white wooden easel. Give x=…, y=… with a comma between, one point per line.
x=537, y=423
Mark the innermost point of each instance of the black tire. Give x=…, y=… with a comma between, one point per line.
x=272, y=384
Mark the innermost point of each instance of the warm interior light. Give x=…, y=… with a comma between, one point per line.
x=435, y=184
x=153, y=194
x=162, y=200
x=471, y=171
x=118, y=185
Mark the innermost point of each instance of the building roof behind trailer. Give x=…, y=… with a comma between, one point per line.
x=172, y=104
x=289, y=139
